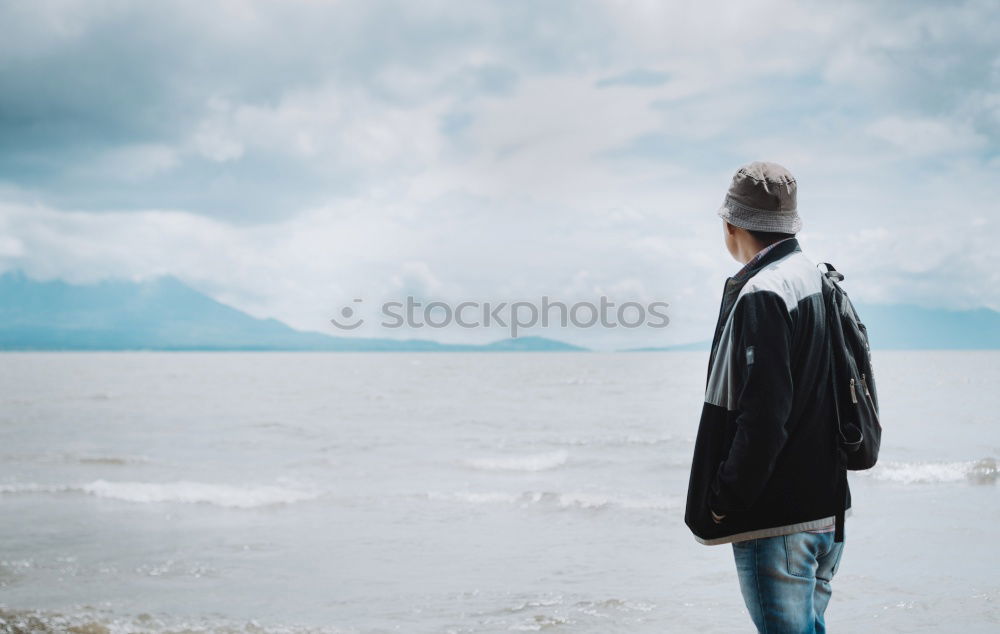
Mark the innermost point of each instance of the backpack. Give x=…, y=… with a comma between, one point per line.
x=855, y=399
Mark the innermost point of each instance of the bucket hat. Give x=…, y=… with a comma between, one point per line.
x=762, y=197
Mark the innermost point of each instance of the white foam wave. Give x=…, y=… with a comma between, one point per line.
x=984, y=471
x=557, y=500
x=179, y=492
x=525, y=462
x=620, y=440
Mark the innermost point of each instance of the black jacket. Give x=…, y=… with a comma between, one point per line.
x=765, y=456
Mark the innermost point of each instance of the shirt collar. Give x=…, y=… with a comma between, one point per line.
x=743, y=272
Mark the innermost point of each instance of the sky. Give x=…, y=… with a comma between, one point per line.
x=289, y=157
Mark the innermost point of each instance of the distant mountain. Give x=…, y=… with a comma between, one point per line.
x=902, y=326
x=166, y=314
x=525, y=344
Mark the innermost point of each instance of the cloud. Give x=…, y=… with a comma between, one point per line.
x=284, y=156
x=634, y=77
x=925, y=136
x=129, y=163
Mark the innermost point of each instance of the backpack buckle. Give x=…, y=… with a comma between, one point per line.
x=831, y=272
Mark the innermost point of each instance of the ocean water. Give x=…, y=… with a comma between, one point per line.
x=260, y=492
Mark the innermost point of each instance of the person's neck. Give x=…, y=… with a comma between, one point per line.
x=752, y=247
x=749, y=249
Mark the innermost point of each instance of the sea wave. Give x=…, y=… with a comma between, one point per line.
x=542, y=612
x=523, y=462
x=557, y=500
x=109, y=460
x=87, y=619
x=185, y=492
x=85, y=459
x=624, y=440
x=983, y=471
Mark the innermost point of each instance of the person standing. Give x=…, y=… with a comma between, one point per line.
x=764, y=474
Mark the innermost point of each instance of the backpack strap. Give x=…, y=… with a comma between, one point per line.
x=838, y=532
x=836, y=276
x=831, y=272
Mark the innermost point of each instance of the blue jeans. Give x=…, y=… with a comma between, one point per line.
x=785, y=580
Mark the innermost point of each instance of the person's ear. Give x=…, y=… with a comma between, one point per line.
x=730, y=228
